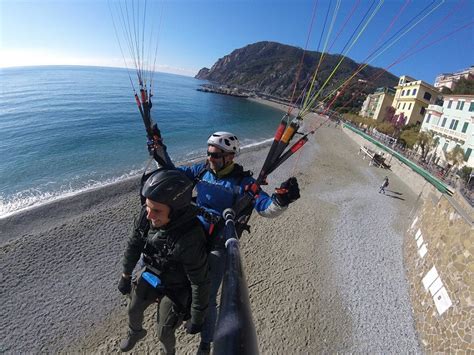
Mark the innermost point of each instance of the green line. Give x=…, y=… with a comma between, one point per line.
x=420, y=171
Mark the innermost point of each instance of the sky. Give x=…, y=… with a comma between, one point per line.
x=192, y=34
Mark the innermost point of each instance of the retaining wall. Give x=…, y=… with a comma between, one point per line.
x=439, y=261
x=439, y=251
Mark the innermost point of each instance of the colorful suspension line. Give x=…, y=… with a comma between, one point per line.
x=419, y=50
x=304, y=139
x=344, y=85
x=295, y=83
x=311, y=81
x=407, y=53
x=363, y=66
x=324, y=47
x=286, y=130
x=348, y=17
x=307, y=108
x=132, y=21
x=276, y=156
x=308, y=98
x=285, y=133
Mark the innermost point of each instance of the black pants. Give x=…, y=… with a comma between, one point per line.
x=169, y=318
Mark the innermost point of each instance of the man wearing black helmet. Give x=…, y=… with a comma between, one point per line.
x=173, y=245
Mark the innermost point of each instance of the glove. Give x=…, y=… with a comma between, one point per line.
x=155, y=140
x=288, y=192
x=125, y=285
x=192, y=328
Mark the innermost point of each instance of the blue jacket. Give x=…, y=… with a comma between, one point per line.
x=216, y=194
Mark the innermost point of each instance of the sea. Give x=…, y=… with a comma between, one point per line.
x=68, y=129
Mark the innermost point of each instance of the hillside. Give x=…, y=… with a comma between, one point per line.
x=270, y=68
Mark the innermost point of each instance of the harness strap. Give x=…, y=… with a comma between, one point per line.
x=239, y=174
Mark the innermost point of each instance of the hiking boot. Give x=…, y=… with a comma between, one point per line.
x=204, y=348
x=132, y=338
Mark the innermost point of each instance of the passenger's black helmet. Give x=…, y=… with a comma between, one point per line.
x=169, y=187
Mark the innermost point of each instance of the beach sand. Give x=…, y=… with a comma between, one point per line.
x=325, y=276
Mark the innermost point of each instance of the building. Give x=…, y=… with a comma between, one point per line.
x=453, y=124
x=375, y=105
x=366, y=105
x=449, y=80
x=412, y=99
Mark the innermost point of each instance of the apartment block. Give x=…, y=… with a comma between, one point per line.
x=412, y=98
x=453, y=123
x=375, y=105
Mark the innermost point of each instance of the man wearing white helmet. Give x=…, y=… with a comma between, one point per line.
x=220, y=182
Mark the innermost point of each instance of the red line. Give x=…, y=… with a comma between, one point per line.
x=435, y=26
x=295, y=83
x=406, y=54
x=392, y=23
x=354, y=7
x=373, y=49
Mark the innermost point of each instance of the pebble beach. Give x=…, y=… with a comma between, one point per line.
x=326, y=276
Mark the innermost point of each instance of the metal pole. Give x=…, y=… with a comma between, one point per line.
x=235, y=331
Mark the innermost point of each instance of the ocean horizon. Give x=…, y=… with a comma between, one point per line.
x=69, y=129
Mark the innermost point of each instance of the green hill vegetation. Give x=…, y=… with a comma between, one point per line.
x=463, y=87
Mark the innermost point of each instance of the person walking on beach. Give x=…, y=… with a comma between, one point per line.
x=175, y=270
x=220, y=182
x=384, y=185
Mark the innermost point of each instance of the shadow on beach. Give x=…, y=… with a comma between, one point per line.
x=394, y=192
x=393, y=196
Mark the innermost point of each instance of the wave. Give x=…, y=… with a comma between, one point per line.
x=32, y=198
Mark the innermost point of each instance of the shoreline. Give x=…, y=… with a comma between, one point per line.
x=281, y=107
x=22, y=199
x=129, y=177
x=85, y=199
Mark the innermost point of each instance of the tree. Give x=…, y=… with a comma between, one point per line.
x=455, y=156
x=398, y=121
x=465, y=173
x=425, y=142
x=464, y=87
x=385, y=128
x=409, y=137
x=389, y=113
x=434, y=146
x=369, y=122
x=445, y=90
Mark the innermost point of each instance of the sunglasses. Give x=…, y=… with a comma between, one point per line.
x=217, y=155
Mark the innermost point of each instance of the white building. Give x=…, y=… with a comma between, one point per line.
x=453, y=123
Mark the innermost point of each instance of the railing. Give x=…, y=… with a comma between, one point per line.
x=431, y=172
x=439, y=173
x=449, y=132
x=436, y=108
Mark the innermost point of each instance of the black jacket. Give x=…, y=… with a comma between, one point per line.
x=178, y=251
